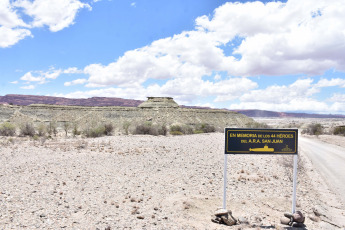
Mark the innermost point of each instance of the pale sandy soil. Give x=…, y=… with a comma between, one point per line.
x=148, y=182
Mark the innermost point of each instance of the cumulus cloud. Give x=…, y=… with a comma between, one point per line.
x=57, y=15
x=297, y=96
x=9, y=36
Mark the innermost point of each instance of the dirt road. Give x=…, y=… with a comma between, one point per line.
x=329, y=161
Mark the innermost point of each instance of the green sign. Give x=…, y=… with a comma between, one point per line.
x=261, y=141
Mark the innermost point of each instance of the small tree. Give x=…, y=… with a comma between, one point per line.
x=66, y=127
x=52, y=128
x=108, y=129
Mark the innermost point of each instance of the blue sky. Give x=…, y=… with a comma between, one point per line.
x=281, y=56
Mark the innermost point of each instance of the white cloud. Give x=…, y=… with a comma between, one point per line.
x=14, y=82
x=75, y=82
x=333, y=82
x=57, y=15
x=28, y=87
x=9, y=37
x=29, y=77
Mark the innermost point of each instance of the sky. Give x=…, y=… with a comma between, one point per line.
x=286, y=56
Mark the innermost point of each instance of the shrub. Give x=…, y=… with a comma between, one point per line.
x=176, y=133
x=163, y=130
x=187, y=130
x=207, y=128
x=66, y=127
x=108, y=129
x=42, y=130
x=76, y=131
x=27, y=130
x=314, y=129
x=95, y=132
x=340, y=130
x=126, y=126
x=175, y=128
x=52, y=128
x=257, y=125
x=7, y=129
x=146, y=129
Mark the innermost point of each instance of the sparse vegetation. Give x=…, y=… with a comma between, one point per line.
x=52, y=128
x=66, y=127
x=27, y=129
x=7, y=129
x=257, y=125
x=314, y=129
x=205, y=128
x=340, y=130
x=41, y=130
x=126, y=127
x=176, y=133
x=94, y=131
x=146, y=129
x=108, y=129
x=76, y=131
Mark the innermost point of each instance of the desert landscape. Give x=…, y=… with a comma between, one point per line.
x=155, y=182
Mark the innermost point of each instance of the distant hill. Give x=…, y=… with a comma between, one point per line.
x=264, y=113
x=17, y=99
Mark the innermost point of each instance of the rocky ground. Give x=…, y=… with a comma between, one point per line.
x=148, y=182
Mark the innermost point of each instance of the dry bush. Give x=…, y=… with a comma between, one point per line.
x=108, y=129
x=94, y=131
x=126, y=127
x=41, y=130
x=176, y=133
x=257, y=125
x=27, y=129
x=7, y=129
x=287, y=162
x=52, y=128
x=205, y=128
x=146, y=129
x=314, y=129
x=163, y=130
x=340, y=130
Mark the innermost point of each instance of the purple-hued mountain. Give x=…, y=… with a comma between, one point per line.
x=264, y=113
x=16, y=99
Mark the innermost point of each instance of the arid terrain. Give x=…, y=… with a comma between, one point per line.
x=154, y=182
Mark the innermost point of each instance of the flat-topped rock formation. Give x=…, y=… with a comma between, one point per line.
x=156, y=110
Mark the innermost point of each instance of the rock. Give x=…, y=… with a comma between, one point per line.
x=285, y=221
x=298, y=217
x=221, y=212
x=228, y=221
x=141, y=217
x=315, y=218
x=243, y=220
x=288, y=215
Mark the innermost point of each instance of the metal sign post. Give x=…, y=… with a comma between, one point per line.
x=262, y=141
x=295, y=158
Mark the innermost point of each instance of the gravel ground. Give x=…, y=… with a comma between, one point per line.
x=147, y=182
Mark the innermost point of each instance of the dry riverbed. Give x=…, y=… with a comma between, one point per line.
x=149, y=182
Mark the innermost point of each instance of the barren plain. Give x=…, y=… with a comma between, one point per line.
x=152, y=182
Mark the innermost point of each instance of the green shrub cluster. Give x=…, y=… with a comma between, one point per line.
x=7, y=129
x=340, y=130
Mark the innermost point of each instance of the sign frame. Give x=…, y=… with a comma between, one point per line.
x=263, y=150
